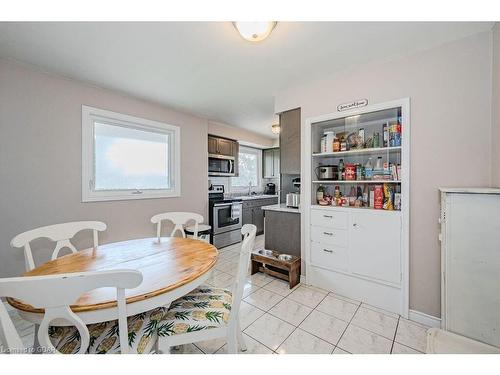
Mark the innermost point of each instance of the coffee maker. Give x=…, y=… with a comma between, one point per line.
x=270, y=189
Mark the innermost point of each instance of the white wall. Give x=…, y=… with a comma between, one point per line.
x=495, y=130
x=450, y=92
x=40, y=161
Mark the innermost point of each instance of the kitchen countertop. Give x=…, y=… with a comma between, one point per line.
x=282, y=208
x=258, y=196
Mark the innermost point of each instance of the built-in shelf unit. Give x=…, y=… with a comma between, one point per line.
x=355, y=246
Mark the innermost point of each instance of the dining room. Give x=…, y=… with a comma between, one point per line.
x=289, y=192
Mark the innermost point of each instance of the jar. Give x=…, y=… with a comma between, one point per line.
x=336, y=145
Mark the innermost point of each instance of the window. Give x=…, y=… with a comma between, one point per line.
x=125, y=157
x=249, y=164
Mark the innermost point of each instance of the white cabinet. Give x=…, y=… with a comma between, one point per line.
x=470, y=233
x=357, y=253
x=376, y=245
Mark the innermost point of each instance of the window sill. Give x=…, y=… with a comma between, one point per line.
x=124, y=196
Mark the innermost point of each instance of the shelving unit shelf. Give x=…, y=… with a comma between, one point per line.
x=356, y=182
x=355, y=249
x=358, y=151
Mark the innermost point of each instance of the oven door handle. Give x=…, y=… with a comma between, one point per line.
x=222, y=204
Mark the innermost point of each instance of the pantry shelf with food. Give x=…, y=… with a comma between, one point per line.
x=372, y=150
x=354, y=182
x=356, y=204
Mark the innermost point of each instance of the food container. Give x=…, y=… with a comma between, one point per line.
x=350, y=172
x=323, y=144
x=336, y=145
x=330, y=137
x=378, y=198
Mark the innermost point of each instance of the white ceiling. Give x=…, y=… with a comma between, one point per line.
x=206, y=68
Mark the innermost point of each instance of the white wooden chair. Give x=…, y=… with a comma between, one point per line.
x=55, y=294
x=179, y=219
x=208, y=313
x=59, y=233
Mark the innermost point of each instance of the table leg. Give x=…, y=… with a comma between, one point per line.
x=37, y=349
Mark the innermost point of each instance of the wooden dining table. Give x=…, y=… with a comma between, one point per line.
x=170, y=268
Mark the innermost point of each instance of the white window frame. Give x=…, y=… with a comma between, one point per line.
x=91, y=115
x=258, y=152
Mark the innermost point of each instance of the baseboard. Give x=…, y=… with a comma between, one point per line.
x=425, y=319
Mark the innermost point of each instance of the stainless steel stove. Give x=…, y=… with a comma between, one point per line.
x=225, y=216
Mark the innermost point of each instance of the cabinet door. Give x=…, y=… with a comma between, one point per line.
x=225, y=147
x=375, y=249
x=290, y=141
x=276, y=162
x=236, y=150
x=258, y=219
x=268, y=164
x=247, y=215
x=212, y=145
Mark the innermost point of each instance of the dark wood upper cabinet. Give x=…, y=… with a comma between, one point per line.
x=222, y=146
x=225, y=147
x=290, y=141
x=212, y=145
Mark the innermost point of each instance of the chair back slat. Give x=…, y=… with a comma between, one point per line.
x=248, y=231
x=59, y=233
x=56, y=293
x=179, y=219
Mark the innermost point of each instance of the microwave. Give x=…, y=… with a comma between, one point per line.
x=220, y=165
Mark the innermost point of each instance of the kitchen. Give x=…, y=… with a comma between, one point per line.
x=245, y=182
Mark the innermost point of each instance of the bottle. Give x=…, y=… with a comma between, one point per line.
x=376, y=140
x=365, y=196
x=341, y=169
x=361, y=138
x=378, y=165
x=369, y=169
x=385, y=131
x=320, y=193
x=337, y=192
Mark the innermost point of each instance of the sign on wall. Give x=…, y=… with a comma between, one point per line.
x=352, y=105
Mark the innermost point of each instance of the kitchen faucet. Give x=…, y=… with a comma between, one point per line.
x=249, y=187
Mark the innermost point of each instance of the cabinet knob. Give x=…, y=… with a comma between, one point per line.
x=354, y=224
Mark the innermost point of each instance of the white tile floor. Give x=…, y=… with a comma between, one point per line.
x=304, y=320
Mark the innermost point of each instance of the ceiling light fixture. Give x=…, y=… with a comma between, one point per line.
x=276, y=128
x=254, y=31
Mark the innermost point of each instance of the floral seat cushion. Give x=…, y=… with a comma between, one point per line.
x=203, y=308
x=104, y=337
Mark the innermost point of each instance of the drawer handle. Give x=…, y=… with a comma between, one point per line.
x=328, y=216
x=328, y=233
x=328, y=251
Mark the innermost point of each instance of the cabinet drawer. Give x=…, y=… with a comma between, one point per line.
x=329, y=236
x=329, y=256
x=329, y=219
